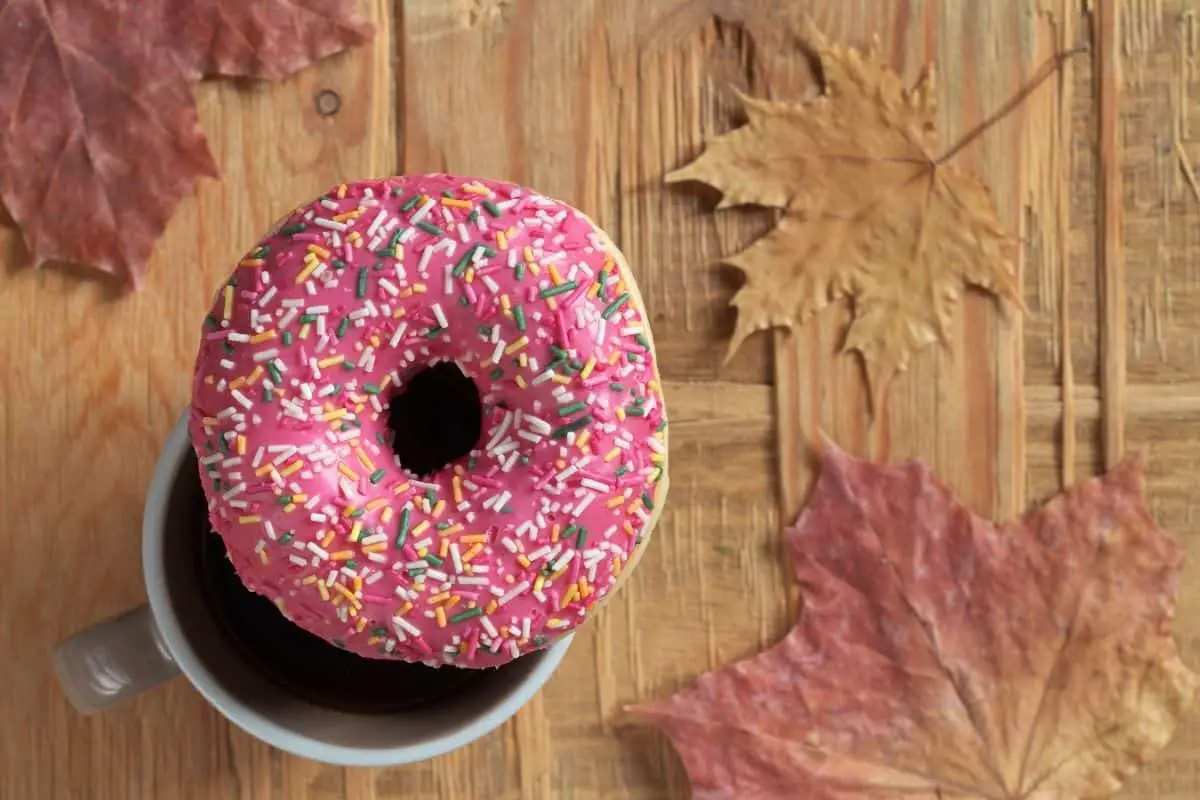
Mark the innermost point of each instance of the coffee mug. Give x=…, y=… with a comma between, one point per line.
x=274, y=680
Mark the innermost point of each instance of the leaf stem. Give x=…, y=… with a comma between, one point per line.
x=1048, y=68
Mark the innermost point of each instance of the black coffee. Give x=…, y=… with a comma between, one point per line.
x=286, y=655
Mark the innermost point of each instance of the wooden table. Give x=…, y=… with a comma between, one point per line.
x=593, y=101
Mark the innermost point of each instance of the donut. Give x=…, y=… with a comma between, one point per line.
x=429, y=420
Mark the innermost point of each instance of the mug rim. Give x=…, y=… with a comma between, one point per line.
x=250, y=720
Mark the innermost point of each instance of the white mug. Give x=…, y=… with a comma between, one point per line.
x=177, y=633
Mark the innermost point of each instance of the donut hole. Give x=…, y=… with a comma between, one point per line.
x=435, y=419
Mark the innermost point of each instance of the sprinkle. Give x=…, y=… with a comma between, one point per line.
x=615, y=306
x=562, y=288
x=402, y=532
x=574, y=425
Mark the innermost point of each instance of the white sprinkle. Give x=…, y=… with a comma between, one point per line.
x=318, y=551
x=389, y=287
x=582, y=504
x=489, y=627
x=243, y=401
x=340, y=227
x=593, y=484
x=266, y=297
x=404, y=626
x=401, y=329
x=440, y=316
x=379, y=218
x=269, y=528
x=514, y=593
x=423, y=211
x=265, y=355
x=499, y=351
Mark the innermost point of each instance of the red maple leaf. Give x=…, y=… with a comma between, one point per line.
x=99, y=138
x=940, y=655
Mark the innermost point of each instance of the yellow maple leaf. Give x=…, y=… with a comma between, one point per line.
x=871, y=211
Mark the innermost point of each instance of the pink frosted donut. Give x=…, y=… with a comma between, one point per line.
x=428, y=419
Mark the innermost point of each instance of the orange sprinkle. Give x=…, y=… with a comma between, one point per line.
x=247, y=519
x=341, y=191
x=364, y=459
x=475, y=550
x=264, y=469
x=352, y=611
x=491, y=607
x=517, y=345
x=456, y=482
x=255, y=375
x=523, y=561
x=520, y=381
x=441, y=616
x=474, y=538
x=349, y=473
x=454, y=202
x=376, y=503
x=258, y=338
x=327, y=540
x=262, y=556
x=444, y=550
x=378, y=547
x=357, y=583
x=440, y=598
x=439, y=508
x=401, y=488
x=615, y=501
x=613, y=356
x=502, y=240
x=241, y=445
x=331, y=361
x=405, y=609
x=554, y=532
x=341, y=555
x=620, y=413
x=629, y=528
x=324, y=592
x=453, y=529
x=554, y=276
x=569, y=596
x=292, y=468
x=386, y=516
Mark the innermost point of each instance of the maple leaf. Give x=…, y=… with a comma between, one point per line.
x=871, y=211
x=939, y=655
x=99, y=138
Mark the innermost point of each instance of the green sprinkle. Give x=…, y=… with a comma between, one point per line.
x=574, y=408
x=647, y=500
x=361, y=289
x=349, y=366
x=616, y=305
x=410, y=202
x=386, y=252
x=474, y=215
x=441, y=526
x=352, y=564
x=267, y=394
x=463, y=301
x=227, y=347
x=211, y=321
x=377, y=476
x=342, y=327
x=463, y=262
x=415, y=571
x=223, y=445
x=434, y=333
x=471, y=463
x=572, y=426
x=371, y=388
x=305, y=318
x=338, y=643
x=447, y=193
x=432, y=230
x=635, y=411
x=338, y=264
x=538, y=641
x=570, y=531
x=402, y=530
x=621, y=470
x=434, y=560
x=379, y=631
x=377, y=266
x=559, y=352
x=379, y=438
x=233, y=281
x=491, y=208
x=520, y=270
x=642, y=340
x=496, y=374
x=216, y=484
x=356, y=513
x=262, y=252
x=287, y=338
x=519, y=316
x=276, y=375
x=292, y=230
x=287, y=538
x=662, y=426
x=395, y=240
x=616, y=387
x=562, y=288
x=430, y=497
x=506, y=510
x=470, y=613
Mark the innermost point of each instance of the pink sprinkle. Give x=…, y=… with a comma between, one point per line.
x=347, y=253
x=374, y=598
x=472, y=295
x=473, y=644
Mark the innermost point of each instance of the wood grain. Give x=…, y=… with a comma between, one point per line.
x=594, y=101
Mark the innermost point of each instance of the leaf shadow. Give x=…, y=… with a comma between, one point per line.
x=652, y=761
x=15, y=258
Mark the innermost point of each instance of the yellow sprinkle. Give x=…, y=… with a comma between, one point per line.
x=309, y=268
x=523, y=359
x=550, y=301
x=612, y=454
x=491, y=607
x=386, y=516
x=354, y=237
x=349, y=473
x=341, y=555
x=291, y=468
x=378, y=547
x=560, y=378
x=470, y=276
x=247, y=519
x=327, y=540
x=355, y=530
x=587, y=368
x=593, y=291
x=241, y=445
x=419, y=288
x=444, y=550
x=528, y=253
x=324, y=592
x=620, y=413
x=309, y=581
x=554, y=276
x=613, y=356
x=401, y=488
x=517, y=345
x=255, y=375
x=613, y=502
x=454, y=202
x=502, y=240
x=228, y=301
x=658, y=458
x=341, y=192
x=570, y=595
x=439, y=598
x=476, y=188
x=304, y=329
x=352, y=611
x=439, y=508
x=376, y=503
x=259, y=338
x=374, y=640
x=364, y=459
x=251, y=262
x=582, y=439
x=264, y=469
x=420, y=527
x=348, y=511
x=520, y=381
x=654, y=387
x=537, y=585
x=441, y=616
x=357, y=584
x=289, y=508
x=331, y=361
x=453, y=529
x=262, y=556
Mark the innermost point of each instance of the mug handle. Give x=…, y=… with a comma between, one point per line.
x=113, y=660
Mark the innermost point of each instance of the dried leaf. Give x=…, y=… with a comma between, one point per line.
x=940, y=655
x=870, y=211
x=99, y=138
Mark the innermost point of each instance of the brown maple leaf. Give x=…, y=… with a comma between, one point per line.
x=871, y=211
x=99, y=138
x=939, y=655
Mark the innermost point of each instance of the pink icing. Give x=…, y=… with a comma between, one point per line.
x=317, y=329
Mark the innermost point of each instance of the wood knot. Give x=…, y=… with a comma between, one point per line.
x=328, y=102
